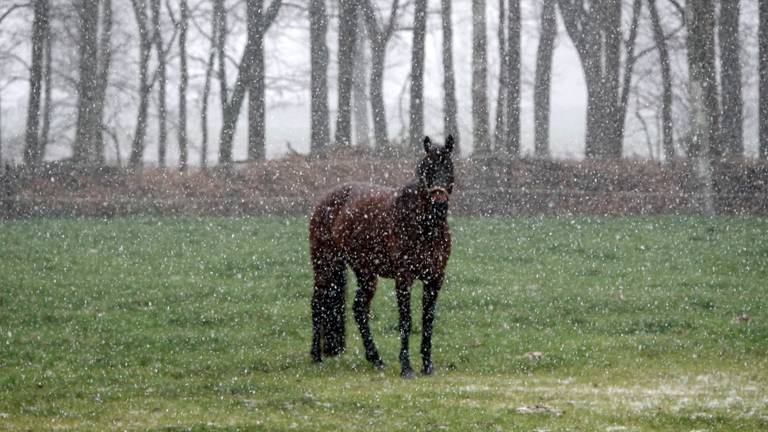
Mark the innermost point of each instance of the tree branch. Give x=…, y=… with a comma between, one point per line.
x=12, y=8
x=269, y=17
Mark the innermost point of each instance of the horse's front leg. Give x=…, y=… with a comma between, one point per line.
x=403, y=294
x=429, y=298
x=362, y=308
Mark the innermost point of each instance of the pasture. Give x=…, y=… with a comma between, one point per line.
x=569, y=323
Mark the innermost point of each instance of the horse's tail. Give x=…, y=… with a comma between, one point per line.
x=328, y=304
x=328, y=299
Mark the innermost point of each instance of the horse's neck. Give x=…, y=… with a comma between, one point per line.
x=412, y=210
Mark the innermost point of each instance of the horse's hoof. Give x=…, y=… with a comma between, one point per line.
x=428, y=370
x=407, y=374
x=378, y=364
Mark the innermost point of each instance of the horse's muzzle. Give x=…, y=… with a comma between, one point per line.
x=439, y=198
x=439, y=195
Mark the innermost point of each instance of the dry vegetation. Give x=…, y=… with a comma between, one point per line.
x=290, y=185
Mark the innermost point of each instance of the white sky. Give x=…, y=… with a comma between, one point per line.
x=287, y=54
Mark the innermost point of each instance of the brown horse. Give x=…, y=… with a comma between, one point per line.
x=401, y=234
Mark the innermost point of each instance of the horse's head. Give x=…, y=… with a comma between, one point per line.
x=435, y=173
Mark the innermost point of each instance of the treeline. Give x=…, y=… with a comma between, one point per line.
x=608, y=35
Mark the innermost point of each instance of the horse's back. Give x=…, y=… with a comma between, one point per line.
x=353, y=219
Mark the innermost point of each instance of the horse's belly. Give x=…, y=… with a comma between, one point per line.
x=370, y=255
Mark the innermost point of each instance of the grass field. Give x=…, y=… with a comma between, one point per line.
x=203, y=324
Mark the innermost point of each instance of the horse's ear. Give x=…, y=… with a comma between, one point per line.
x=427, y=144
x=449, y=144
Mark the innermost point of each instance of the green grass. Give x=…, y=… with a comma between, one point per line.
x=203, y=324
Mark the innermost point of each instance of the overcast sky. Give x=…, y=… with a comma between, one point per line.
x=288, y=106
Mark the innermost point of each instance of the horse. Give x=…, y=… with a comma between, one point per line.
x=400, y=234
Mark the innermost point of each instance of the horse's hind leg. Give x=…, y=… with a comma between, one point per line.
x=328, y=331
x=317, y=326
x=362, y=307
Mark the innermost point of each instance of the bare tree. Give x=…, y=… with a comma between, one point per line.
x=7, y=12
x=416, y=128
x=730, y=78
x=595, y=29
x=629, y=64
x=379, y=34
x=512, y=83
x=104, y=63
x=33, y=150
x=45, y=128
x=543, y=75
x=259, y=22
x=501, y=106
x=183, y=84
x=703, y=94
x=346, y=56
x=157, y=42
x=360, y=85
x=2, y=164
x=318, y=28
x=660, y=39
x=4, y=57
x=145, y=84
x=209, y=68
x=763, y=73
x=480, y=125
x=220, y=13
x=450, y=124
x=250, y=77
x=88, y=124
x=703, y=78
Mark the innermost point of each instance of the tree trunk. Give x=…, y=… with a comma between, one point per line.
x=250, y=77
x=359, y=86
x=2, y=164
x=162, y=129
x=145, y=86
x=256, y=103
x=611, y=23
x=221, y=44
x=318, y=28
x=542, y=88
x=378, y=57
x=33, y=150
x=597, y=124
x=183, y=84
x=450, y=125
x=416, y=128
x=45, y=129
x=88, y=126
x=379, y=35
x=596, y=34
x=346, y=58
x=104, y=64
x=512, y=137
x=763, y=73
x=701, y=71
x=207, y=88
x=666, y=82
x=499, y=131
x=256, y=109
x=480, y=126
x=730, y=79
x=629, y=64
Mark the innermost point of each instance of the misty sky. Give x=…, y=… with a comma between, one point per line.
x=287, y=54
